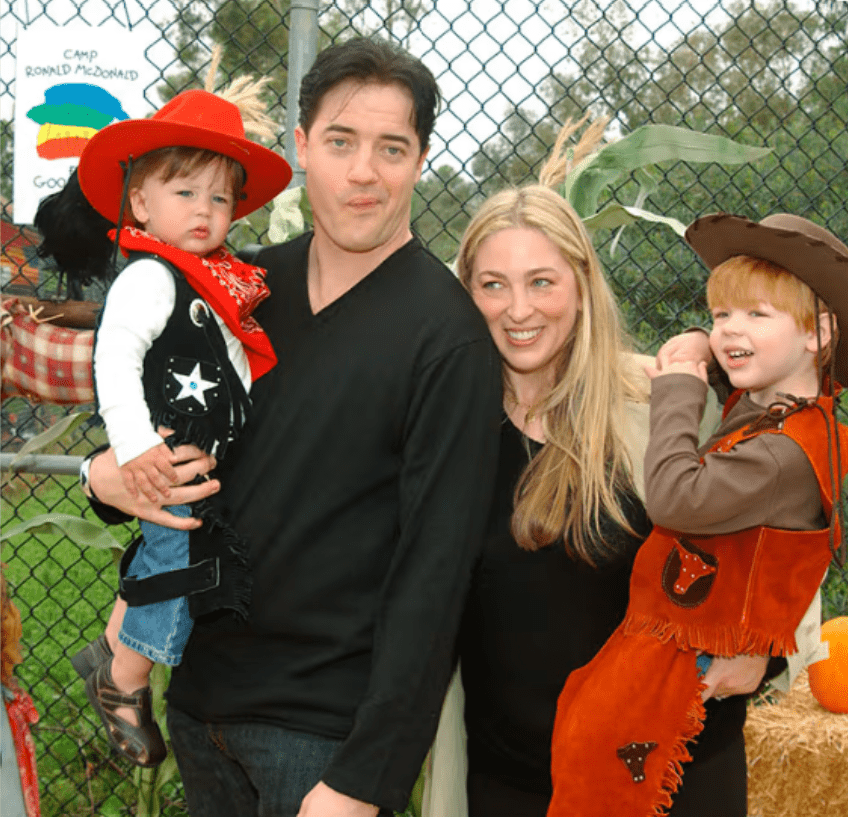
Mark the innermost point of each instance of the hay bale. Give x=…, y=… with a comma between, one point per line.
x=797, y=757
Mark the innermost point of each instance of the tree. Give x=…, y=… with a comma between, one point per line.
x=393, y=19
x=442, y=206
x=773, y=74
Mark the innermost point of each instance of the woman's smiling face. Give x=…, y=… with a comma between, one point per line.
x=529, y=297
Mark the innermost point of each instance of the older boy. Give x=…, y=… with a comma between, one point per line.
x=742, y=537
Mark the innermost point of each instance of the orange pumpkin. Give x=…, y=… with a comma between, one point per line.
x=829, y=678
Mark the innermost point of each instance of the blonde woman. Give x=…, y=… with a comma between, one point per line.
x=552, y=583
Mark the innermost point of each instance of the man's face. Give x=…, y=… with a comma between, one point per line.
x=362, y=160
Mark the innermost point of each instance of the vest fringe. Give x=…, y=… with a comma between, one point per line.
x=239, y=576
x=189, y=431
x=673, y=776
x=716, y=640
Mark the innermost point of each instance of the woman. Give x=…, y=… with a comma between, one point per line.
x=552, y=583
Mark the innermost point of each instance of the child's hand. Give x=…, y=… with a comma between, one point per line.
x=688, y=346
x=152, y=473
x=667, y=362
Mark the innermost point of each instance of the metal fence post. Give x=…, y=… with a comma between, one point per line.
x=303, y=46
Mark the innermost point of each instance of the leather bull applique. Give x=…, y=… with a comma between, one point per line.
x=689, y=573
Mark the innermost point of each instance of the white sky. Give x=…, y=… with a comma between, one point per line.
x=472, y=46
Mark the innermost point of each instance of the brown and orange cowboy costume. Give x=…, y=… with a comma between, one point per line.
x=624, y=721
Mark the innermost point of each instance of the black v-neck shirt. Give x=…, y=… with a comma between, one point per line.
x=362, y=485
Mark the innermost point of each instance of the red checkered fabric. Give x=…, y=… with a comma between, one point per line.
x=43, y=362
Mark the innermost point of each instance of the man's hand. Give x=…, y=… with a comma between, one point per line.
x=107, y=485
x=151, y=473
x=739, y=675
x=323, y=801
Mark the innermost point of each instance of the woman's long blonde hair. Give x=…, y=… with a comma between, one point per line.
x=578, y=474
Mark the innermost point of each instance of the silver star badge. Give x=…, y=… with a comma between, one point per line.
x=193, y=385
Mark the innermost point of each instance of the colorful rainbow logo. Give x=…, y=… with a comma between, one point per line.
x=71, y=114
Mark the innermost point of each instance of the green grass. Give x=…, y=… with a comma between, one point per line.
x=65, y=593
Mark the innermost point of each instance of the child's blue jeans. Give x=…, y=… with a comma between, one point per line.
x=159, y=631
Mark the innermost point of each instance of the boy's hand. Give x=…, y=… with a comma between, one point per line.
x=152, y=473
x=668, y=362
x=693, y=345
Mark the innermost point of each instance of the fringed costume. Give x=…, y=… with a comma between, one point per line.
x=624, y=721
x=197, y=365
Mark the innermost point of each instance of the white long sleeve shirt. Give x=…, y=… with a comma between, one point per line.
x=137, y=308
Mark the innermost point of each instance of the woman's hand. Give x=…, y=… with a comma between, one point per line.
x=740, y=675
x=107, y=485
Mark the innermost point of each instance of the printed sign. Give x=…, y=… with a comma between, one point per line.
x=71, y=81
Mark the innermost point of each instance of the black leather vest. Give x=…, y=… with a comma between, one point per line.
x=190, y=385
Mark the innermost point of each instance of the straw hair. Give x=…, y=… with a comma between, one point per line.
x=796, y=757
x=577, y=474
x=244, y=93
x=563, y=158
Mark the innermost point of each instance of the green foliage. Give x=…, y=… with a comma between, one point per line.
x=55, y=432
x=78, y=530
x=153, y=784
x=770, y=75
x=442, y=206
x=633, y=156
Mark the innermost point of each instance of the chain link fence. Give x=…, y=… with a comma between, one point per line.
x=770, y=72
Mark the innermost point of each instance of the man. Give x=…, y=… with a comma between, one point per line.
x=362, y=485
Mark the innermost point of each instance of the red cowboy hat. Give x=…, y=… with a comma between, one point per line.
x=196, y=119
x=796, y=244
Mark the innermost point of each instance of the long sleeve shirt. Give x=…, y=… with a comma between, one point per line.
x=137, y=307
x=362, y=485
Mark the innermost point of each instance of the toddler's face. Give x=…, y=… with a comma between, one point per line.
x=192, y=213
x=763, y=350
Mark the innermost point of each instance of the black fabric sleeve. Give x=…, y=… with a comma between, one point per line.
x=105, y=513
x=448, y=467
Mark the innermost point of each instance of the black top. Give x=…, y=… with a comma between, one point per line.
x=532, y=617
x=190, y=345
x=362, y=485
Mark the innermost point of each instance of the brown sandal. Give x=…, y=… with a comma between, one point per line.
x=91, y=656
x=142, y=744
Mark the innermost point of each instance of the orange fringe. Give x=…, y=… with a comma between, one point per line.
x=714, y=640
x=10, y=623
x=673, y=776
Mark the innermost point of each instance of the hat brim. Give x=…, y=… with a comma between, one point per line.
x=101, y=166
x=822, y=267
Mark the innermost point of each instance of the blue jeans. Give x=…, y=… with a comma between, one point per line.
x=159, y=631
x=246, y=769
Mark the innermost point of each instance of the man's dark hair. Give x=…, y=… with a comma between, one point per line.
x=371, y=60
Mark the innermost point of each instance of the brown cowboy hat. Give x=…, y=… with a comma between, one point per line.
x=796, y=244
x=196, y=119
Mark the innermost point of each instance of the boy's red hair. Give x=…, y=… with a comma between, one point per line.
x=744, y=281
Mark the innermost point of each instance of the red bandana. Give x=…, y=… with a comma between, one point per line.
x=231, y=287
